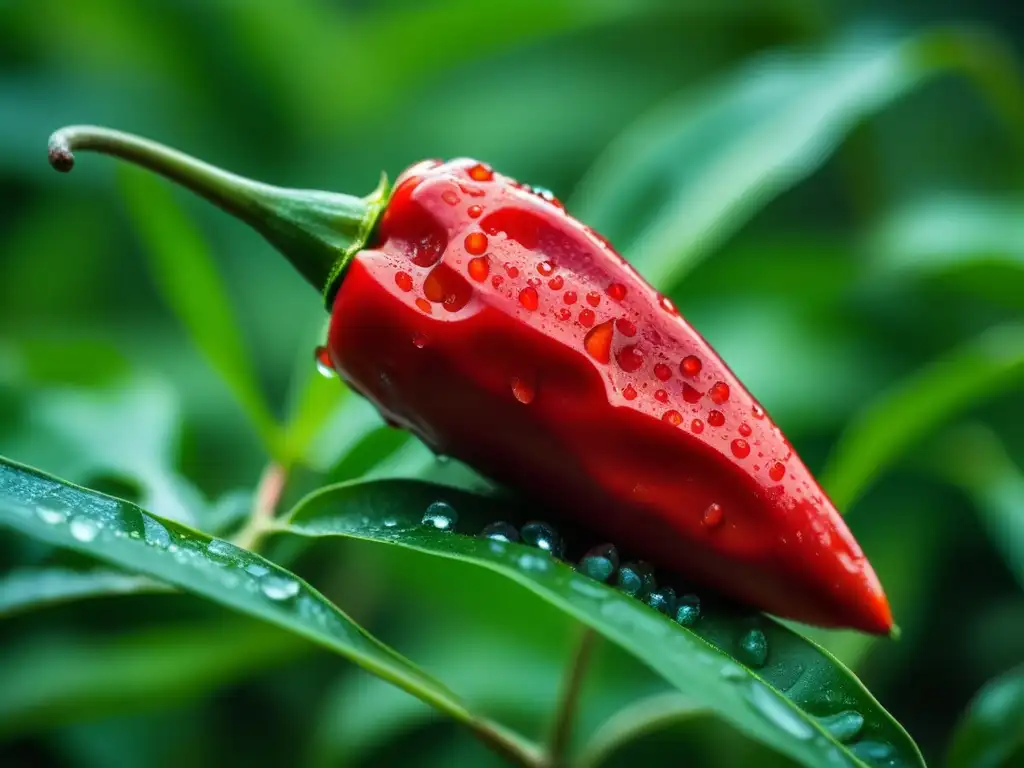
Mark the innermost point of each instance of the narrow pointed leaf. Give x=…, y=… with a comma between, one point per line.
x=28, y=589
x=991, y=732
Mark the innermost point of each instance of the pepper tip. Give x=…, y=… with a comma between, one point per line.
x=895, y=632
x=59, y=152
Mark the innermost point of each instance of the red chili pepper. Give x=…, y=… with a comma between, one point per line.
x=501, y=331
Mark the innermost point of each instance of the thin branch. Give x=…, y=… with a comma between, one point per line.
x=565, y=716
x=268, y=495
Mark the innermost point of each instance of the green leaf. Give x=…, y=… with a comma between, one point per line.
x=904, y=414
x=780, y=702
x=686, y=176
x=185, y=274
x=991, y=732
x=124, y=535
x=51, y=681
x=31, y=588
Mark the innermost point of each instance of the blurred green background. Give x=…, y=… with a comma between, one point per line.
x=831, y=193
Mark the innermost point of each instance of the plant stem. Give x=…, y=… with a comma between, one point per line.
x=268, y=495
x=565, y=716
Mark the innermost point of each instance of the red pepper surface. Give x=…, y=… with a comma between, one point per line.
x=503, y=332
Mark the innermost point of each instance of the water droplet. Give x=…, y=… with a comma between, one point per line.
x=156, y=534
x=757, y=411
x=616, y=291
x=50, y=515
x=419, y=340
x=844, y=726
x=732, y=672
x=688, y=610
x=424, y=305
x=662, y=600
x=630, y=359
x=629, y=581
x=528, y=298
x=629, y=392
x=500, y=531
x=564, y=314
x=556, y=283
x=523, y=390
x=696, y=426
x=478, y=268
x=754, y=648
x=511, y=270
x=873, y=751
x=719, y=392
x=84, y=529
x=480, y=172
x=593, y=298
x=596, y=567
x=404, y=281
x=598, y=341
x=278, y=587
x=745, y=429
x=587, y=318
x=497, y=280
x=661, y=396
x=476, y=243
x=543, y=536
x=690, y=394
x=663, y=372
x=324, y=366
x=690, y=366
x=666, y=304
x=713, y=516
x=256, y=569
x=569, y=297
x=440, y=515
x=625, y=327
x=474, y=211
x=450, y=197
x=777, y=471
x=223, y=552
x=716, y=418
x=530, y=562
x=672, y=417
x=740, y=448
x=546, y=268
x=777, y=711
x=644, y=573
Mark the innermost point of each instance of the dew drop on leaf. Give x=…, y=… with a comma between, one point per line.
x=543, y=536
x=754, y=648
x=776, y=711
x=84, y=529
x=500, y=531
x=440, y=515
x=688, y=610
x=278, y=587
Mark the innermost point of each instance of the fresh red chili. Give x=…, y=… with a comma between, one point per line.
x=476, y=313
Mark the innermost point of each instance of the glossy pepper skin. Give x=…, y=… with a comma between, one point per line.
x=474, y=312
x=505, y=333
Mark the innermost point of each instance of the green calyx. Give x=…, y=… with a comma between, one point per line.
x=318, y=232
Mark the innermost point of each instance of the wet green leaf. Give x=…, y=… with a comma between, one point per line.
x=27, y=589
x=185, y=274
x=779, y=703
x=905, y=413
x=686, y=176
x=51, y=681
x=124, y=535
x=991, y=732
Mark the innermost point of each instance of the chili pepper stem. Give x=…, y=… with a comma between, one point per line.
x=316, y=231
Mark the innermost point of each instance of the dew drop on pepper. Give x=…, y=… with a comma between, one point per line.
x=474, y=211
x=569, y=297
x=479, y=268
x=740, y=448
x=616, y=291
x=528, y=297
x=556, y=283
x=546, y=268
x=587, y=318
x=719, y=392
x=523, y=390
x=630, y=359
x=696, y=426
x=691, y=394
x=625, y=327
x=404, y=281
x=481, y=172
x=757, y=411
x=663, y=372
x=713, y=516
x=497, y=280
x=424, y=305
x=672, y=417
x=564, y=314
x=324, y=366
x=745, y=430
x=476, y=243
x=661, y=396
x=598, y=341
x=419, y=340
x=593, y=298
x=511, y=270
x=716, y=418
x=777, y=471
x=629, y=392
x=690, y=366
x=666, y=304
x=450, y=197
x=447, y=287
